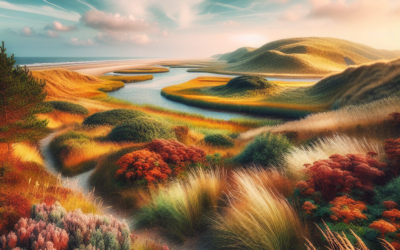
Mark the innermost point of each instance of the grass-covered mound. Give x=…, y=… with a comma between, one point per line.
x=113, y=117
x=219, y=140
x=68, y=107
x=266, y=150
x=142, y=129
x=143, y=70
x=235, y=55
x=243, y=84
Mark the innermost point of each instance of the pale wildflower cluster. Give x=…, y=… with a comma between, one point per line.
x=51, y=228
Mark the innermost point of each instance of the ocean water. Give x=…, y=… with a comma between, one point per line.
x=29, y=61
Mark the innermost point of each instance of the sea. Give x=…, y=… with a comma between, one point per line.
x=43, y=61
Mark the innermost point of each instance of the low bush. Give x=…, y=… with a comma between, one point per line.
x=177, y=154
x=142, y=165
x=53, y=228
x=143, y=129
x=69, y=107
x=113, y=117
x=59, y=146
x=388, y=192
x=266, y=150
x=219, y=140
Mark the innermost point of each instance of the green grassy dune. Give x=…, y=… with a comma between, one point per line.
x=300, y=56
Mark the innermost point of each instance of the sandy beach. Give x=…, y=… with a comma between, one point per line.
x=99, y=68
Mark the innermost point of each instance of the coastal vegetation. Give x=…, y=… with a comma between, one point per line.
x=328, y=180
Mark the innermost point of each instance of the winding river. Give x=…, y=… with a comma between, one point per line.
x=149, y=92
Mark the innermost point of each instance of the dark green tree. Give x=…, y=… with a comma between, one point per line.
x=21, y=97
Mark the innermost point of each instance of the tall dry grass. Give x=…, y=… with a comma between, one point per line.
x=338, y=241
x=345, y=118
x=257, y=218
x=180, y=207
x=323, y=148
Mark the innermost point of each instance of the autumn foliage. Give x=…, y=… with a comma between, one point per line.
x=347, y=209
x=389, y=204
x=143, y=165
x=176, y=153
x=342, y=174
x=383, y=227
x=308, y=207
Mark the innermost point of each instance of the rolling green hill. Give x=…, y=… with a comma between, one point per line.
x=310, y=55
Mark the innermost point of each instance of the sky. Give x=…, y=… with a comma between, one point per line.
x=187, y=28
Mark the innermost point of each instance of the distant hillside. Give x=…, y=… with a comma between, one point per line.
x=360, y=84
x=236, y=54
x=312, y=55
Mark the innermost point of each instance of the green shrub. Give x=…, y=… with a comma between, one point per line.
x=266, y=149
x=219, y=140
x=69, y=107
x=389, y=192
x=58, y=145
x=142, y=129
x=113, y=117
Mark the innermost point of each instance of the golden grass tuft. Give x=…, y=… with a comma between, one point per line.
x=127, y=79
x=27, y=153
x=257, y=218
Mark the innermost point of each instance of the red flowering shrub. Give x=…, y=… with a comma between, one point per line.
x=392, y=150
x=308, y=207
x=142, y=165
x=7, y=221
x=389, y=204
x=176, y=153
x=383, y=227
x=396, y=245
x=347, y=209
x=49, y=200
x=341, y=174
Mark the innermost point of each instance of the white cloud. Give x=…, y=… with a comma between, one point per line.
x=114, y=22
x=57, y=26
x=26, y=31
x=52, y=34
x=41, y=10
x=184, y=13
x=77, y=42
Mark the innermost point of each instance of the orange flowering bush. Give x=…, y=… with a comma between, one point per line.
x=176, y=153
x=392, y=215
x=142, y=165
x=389, y=204
x=396, y=245
x=308, y=207
x=341, y=174
x=392, y=150
x=383, y=227
x=347, y=209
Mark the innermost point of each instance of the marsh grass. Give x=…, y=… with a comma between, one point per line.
x=257, y=218
x=148, y=69
x=180, y=207
x=127, y=79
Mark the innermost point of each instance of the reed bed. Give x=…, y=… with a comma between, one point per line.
x=27, y=153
